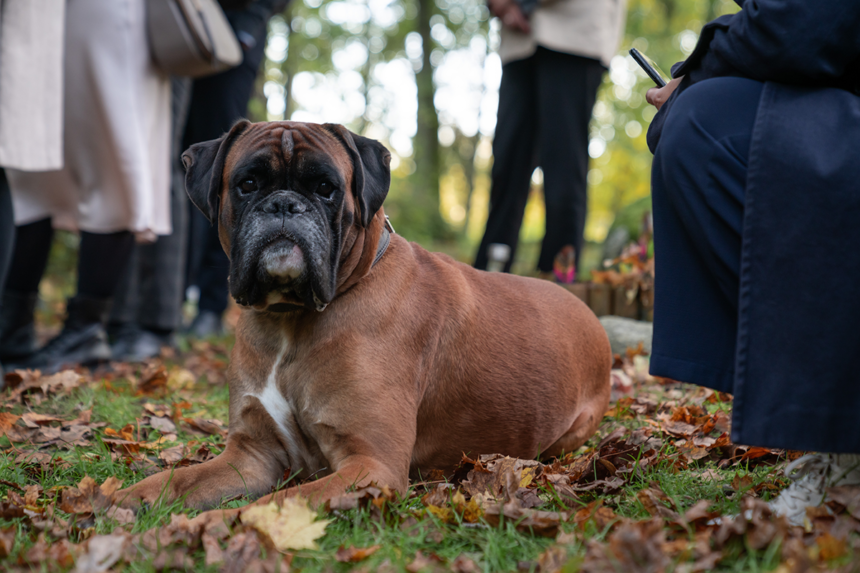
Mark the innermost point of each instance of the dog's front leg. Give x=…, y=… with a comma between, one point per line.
x=245, y=466
x=357, y=471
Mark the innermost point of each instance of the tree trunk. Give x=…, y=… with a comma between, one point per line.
x=469, y=174
x=425, y=179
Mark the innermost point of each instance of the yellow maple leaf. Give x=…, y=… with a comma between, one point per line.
x=180, y=379
x=291, y=526
x=528, y=476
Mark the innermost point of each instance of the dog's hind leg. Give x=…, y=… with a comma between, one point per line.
x=583, y=427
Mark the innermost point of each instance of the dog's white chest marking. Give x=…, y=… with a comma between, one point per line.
x=282, y=413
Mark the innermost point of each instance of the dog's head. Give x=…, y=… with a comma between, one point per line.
x=286, y=196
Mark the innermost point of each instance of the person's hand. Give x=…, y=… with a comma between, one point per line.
x=511, y=15
x=658, y=96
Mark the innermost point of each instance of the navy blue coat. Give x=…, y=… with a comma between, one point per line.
x=797, y=377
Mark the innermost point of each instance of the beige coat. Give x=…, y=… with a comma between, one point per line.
x=590, y=28
x=115, y=129
x=31, y=84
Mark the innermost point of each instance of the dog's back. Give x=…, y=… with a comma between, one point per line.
x=509, y=365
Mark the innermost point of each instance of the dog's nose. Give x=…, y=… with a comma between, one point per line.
x=281, y=204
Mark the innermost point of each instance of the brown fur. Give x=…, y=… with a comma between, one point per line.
x=417, y=360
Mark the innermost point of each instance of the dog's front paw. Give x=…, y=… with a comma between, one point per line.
x=146, y=493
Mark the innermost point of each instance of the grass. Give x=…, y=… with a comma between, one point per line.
x=505, y=548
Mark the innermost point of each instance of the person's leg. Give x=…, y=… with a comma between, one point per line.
x=7, y=242
x=103, y=257
x=567, y=89
x=513, y=158
x=102, y=260
x=140, y=325
x=214, y=292
x=29, y=258
x=217, y=102
x=7, y=227
x=698, y=180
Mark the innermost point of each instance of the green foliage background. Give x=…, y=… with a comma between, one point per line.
x=439, y=194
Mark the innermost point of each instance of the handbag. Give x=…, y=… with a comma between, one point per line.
x=191, y=37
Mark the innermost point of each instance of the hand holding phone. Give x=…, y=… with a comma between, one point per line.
x=649, y=66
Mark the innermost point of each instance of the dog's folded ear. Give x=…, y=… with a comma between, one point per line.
x=371, y=170
x=204, y=168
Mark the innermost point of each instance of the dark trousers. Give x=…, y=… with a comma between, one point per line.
x=217, y=102
x=697, y=187
x=7, y=228
x=151, y=292
x=545, y=105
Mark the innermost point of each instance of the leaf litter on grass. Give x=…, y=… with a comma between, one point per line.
x=659, y=488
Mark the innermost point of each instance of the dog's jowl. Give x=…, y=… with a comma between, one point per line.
x=359, y=356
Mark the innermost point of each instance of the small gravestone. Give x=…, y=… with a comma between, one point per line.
x=627, y=333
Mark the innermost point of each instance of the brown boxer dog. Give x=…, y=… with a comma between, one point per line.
x=359, y=356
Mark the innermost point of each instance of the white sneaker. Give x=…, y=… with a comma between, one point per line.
x=811, y=475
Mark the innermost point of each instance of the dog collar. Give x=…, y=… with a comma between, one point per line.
x=384, y=241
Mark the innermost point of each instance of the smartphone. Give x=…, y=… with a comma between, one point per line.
x=654, y=72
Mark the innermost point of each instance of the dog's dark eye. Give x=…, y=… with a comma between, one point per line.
x=248, y=185
x=325, y=189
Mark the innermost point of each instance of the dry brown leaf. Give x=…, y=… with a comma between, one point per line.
x=100, y=553
x=740, y=482
x=211, y=427
x=180, y=379
x=153, y=381
x=7, y=541
x=172, y=455
x=553, y=559
x=34, y=420
x=214, y=554
x=830, y=547
x=89, y=497
x=290, y=526
x=163, y=425
x=848, y=497
x=355, y=554
x=7, y=421
x=422, y=561
x=463, y=564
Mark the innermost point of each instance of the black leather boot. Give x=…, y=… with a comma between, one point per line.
x=83, y=339
x=17, y=326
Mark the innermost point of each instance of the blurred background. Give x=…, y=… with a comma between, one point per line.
x=364, y=64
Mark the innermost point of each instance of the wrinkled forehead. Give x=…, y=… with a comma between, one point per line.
x=289, y=146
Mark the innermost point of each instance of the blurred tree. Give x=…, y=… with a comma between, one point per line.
x=359, y=62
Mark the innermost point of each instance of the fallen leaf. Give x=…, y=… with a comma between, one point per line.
x=100, y=553
x=553, y=559
x=848, y=497
x=740, y=482
x=153, y=381
x=291, y=526
x=7, y=541
x=180, y=379
x=214, y=554
x=89, y=497
x=34, y=420
x=163, y=425
x=355, y=554
x=211, y=427
x=422, y=561
x=172, y=455
x=120, y=515
x=7, y=420
x=463, y=564
x=830, y=547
